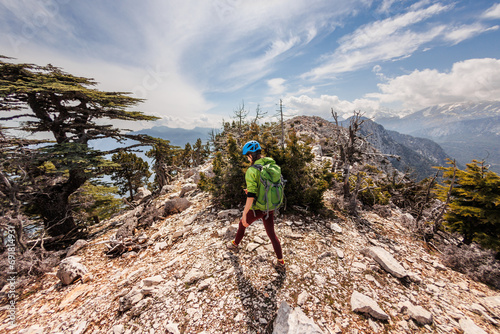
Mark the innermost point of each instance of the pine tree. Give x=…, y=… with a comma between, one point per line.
x=200, y=153
x=74, y=113
x=165, y=158
x=131, y=173
x=474, y=204
x=94, y=202
x=187, y=156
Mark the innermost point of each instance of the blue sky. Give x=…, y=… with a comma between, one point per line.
x=195, y=62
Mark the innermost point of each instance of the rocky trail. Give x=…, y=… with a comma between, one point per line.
x=342, y=276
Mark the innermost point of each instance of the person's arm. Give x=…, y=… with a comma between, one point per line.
x=251, y=191
x=248, y=206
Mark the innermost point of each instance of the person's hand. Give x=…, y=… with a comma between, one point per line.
x=244, y=220
x=246, y=191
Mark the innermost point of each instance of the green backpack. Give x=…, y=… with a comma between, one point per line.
x=271, y=191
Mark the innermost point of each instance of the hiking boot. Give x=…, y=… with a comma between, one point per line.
x=280, y=266
x=232, y=246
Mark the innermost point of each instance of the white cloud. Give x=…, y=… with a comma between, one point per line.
x=385, y=6
x=462, y=33
x=322, y=106
x=276, y=86
x=383, y=40
x=469, y=80
x=493, y=12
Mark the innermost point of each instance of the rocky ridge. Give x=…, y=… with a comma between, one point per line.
x=342, y=276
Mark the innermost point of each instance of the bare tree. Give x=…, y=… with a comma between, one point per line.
x=259, y=114
x=240, y=115
x=350, y=148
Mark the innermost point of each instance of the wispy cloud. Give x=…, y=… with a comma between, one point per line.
x=493, y=12
x=383, y=40
x=459, y=34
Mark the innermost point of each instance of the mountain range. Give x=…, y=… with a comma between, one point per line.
x=416, y=154
x=419, y=155
x=178, y=136
x=466, y=131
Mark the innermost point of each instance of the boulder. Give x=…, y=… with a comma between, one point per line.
x=492, y=304
x=70, y=269
x=118, y=329
x=140, y=307
x=208, y=170
x=293, y=321
x=187, y=188
x=386, y=261
x=175, y=205
x=79, y=244
x=168, y=188
x=417, y=313
x=364, y=304
x=228, y=232
x=224, y=214
x=336, y=227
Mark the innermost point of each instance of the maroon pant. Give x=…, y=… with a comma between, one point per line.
x=268, y=224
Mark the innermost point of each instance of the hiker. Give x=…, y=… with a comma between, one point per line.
x=254, y=211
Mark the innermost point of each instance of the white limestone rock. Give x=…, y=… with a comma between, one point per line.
x=336, y=227
x=364, y=304
x=293, y=321
x=79, y=244
x=193, y=276
x=130, y=299
x=225, y=214
x=70, y=269
x=152, y=281
x=386, y=261
x=469, y=327
x=187, y=188
x=303, y=297
x=417, y=313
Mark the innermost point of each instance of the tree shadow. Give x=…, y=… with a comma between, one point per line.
x=260, y=307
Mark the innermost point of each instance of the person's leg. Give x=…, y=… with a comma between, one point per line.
x=250, y=219
x=269, y=225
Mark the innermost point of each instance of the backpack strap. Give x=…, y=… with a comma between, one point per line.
x=258, y=167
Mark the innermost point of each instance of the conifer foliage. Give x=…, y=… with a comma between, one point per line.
x=131, y=173
x=305, y=184
x=474, y=203
x=50, y=101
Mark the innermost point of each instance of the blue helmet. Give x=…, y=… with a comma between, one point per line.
x=251, y=146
